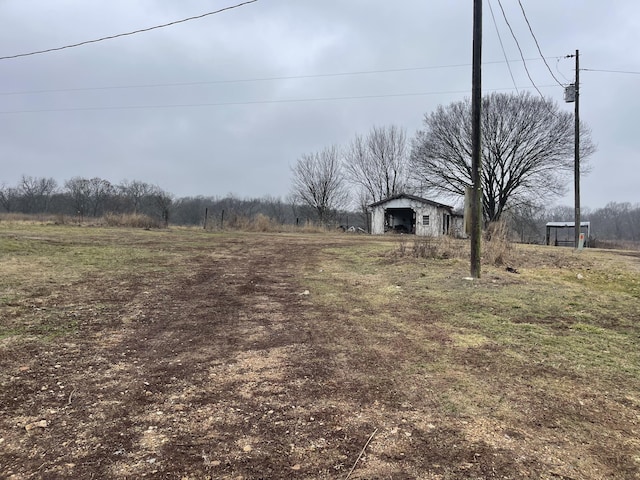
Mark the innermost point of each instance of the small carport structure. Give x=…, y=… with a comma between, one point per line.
x=562, y=234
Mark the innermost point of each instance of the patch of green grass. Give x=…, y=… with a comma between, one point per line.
x=39, y=318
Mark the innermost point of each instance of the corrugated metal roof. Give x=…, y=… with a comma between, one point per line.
x=567, y=224
x=411, y=197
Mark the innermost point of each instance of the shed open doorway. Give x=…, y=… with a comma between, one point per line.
x=400, y=220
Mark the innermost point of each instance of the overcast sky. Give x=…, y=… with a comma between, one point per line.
x=202, y=108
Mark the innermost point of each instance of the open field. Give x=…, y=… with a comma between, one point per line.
x=183, y=354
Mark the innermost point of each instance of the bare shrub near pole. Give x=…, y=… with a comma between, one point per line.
x=497, y=245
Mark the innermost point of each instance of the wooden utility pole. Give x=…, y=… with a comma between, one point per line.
x=476, y=160
x=576, y=161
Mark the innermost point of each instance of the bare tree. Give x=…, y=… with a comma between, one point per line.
x=162, y=201
x=88, y=195
x=9, y=197
x=527, y=150
x=299, y=209
x=136, y=192
x=528, y=222
x=36, y=193
x=78, y=191
x=377, y=163
x=318, y=182
x=617, y=221
x=275, y=208
x=100, y=191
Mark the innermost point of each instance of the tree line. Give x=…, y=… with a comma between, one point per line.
x=84, y=197
x=87, y=198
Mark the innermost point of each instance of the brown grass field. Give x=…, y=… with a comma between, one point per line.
x=184, y=354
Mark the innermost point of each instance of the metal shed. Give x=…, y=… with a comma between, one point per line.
x=406, y=213
x=562, y=234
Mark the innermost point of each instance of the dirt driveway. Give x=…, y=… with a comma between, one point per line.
x=213, y=373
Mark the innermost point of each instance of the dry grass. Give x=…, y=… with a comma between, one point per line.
x=130, y=220
x=528, y=360
x=123, y=220
x=265, y=224
x=617, y=244
x=24, y=218
x=497, y=248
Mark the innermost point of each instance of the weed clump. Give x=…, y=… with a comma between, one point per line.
x=429, y=247
x=130, y=220
x=497, y=247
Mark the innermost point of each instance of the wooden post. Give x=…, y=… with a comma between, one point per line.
x=576, y=153
x=476, y=160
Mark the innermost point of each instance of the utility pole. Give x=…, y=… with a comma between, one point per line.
x=572, y=94
x=576, y=153
x=476, y=160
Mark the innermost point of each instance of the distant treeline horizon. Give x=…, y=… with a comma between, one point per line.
x=94, y=197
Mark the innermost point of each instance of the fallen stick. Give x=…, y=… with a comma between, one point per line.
x=361, y=453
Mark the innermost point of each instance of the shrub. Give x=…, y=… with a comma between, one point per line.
x=431, y=247
x=130, y=220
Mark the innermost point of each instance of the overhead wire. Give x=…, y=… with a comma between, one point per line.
x=247, y=80
x=254, y=79
x=495, y=24
x=524, y=14
x=628, y=72
x=519, y=49
x=134, y=32
x=256, y=102
x=558, y=70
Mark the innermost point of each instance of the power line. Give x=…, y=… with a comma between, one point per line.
x=538, y=45
x=519, y=49
x=558, y=70
x=110, y=37
x=502, y=47
x=225, y=104
x=610, y=71
x=255, y=79
x=245, y=80
x=257, y=102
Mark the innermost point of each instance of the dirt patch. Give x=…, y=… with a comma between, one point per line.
x=193, y=375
